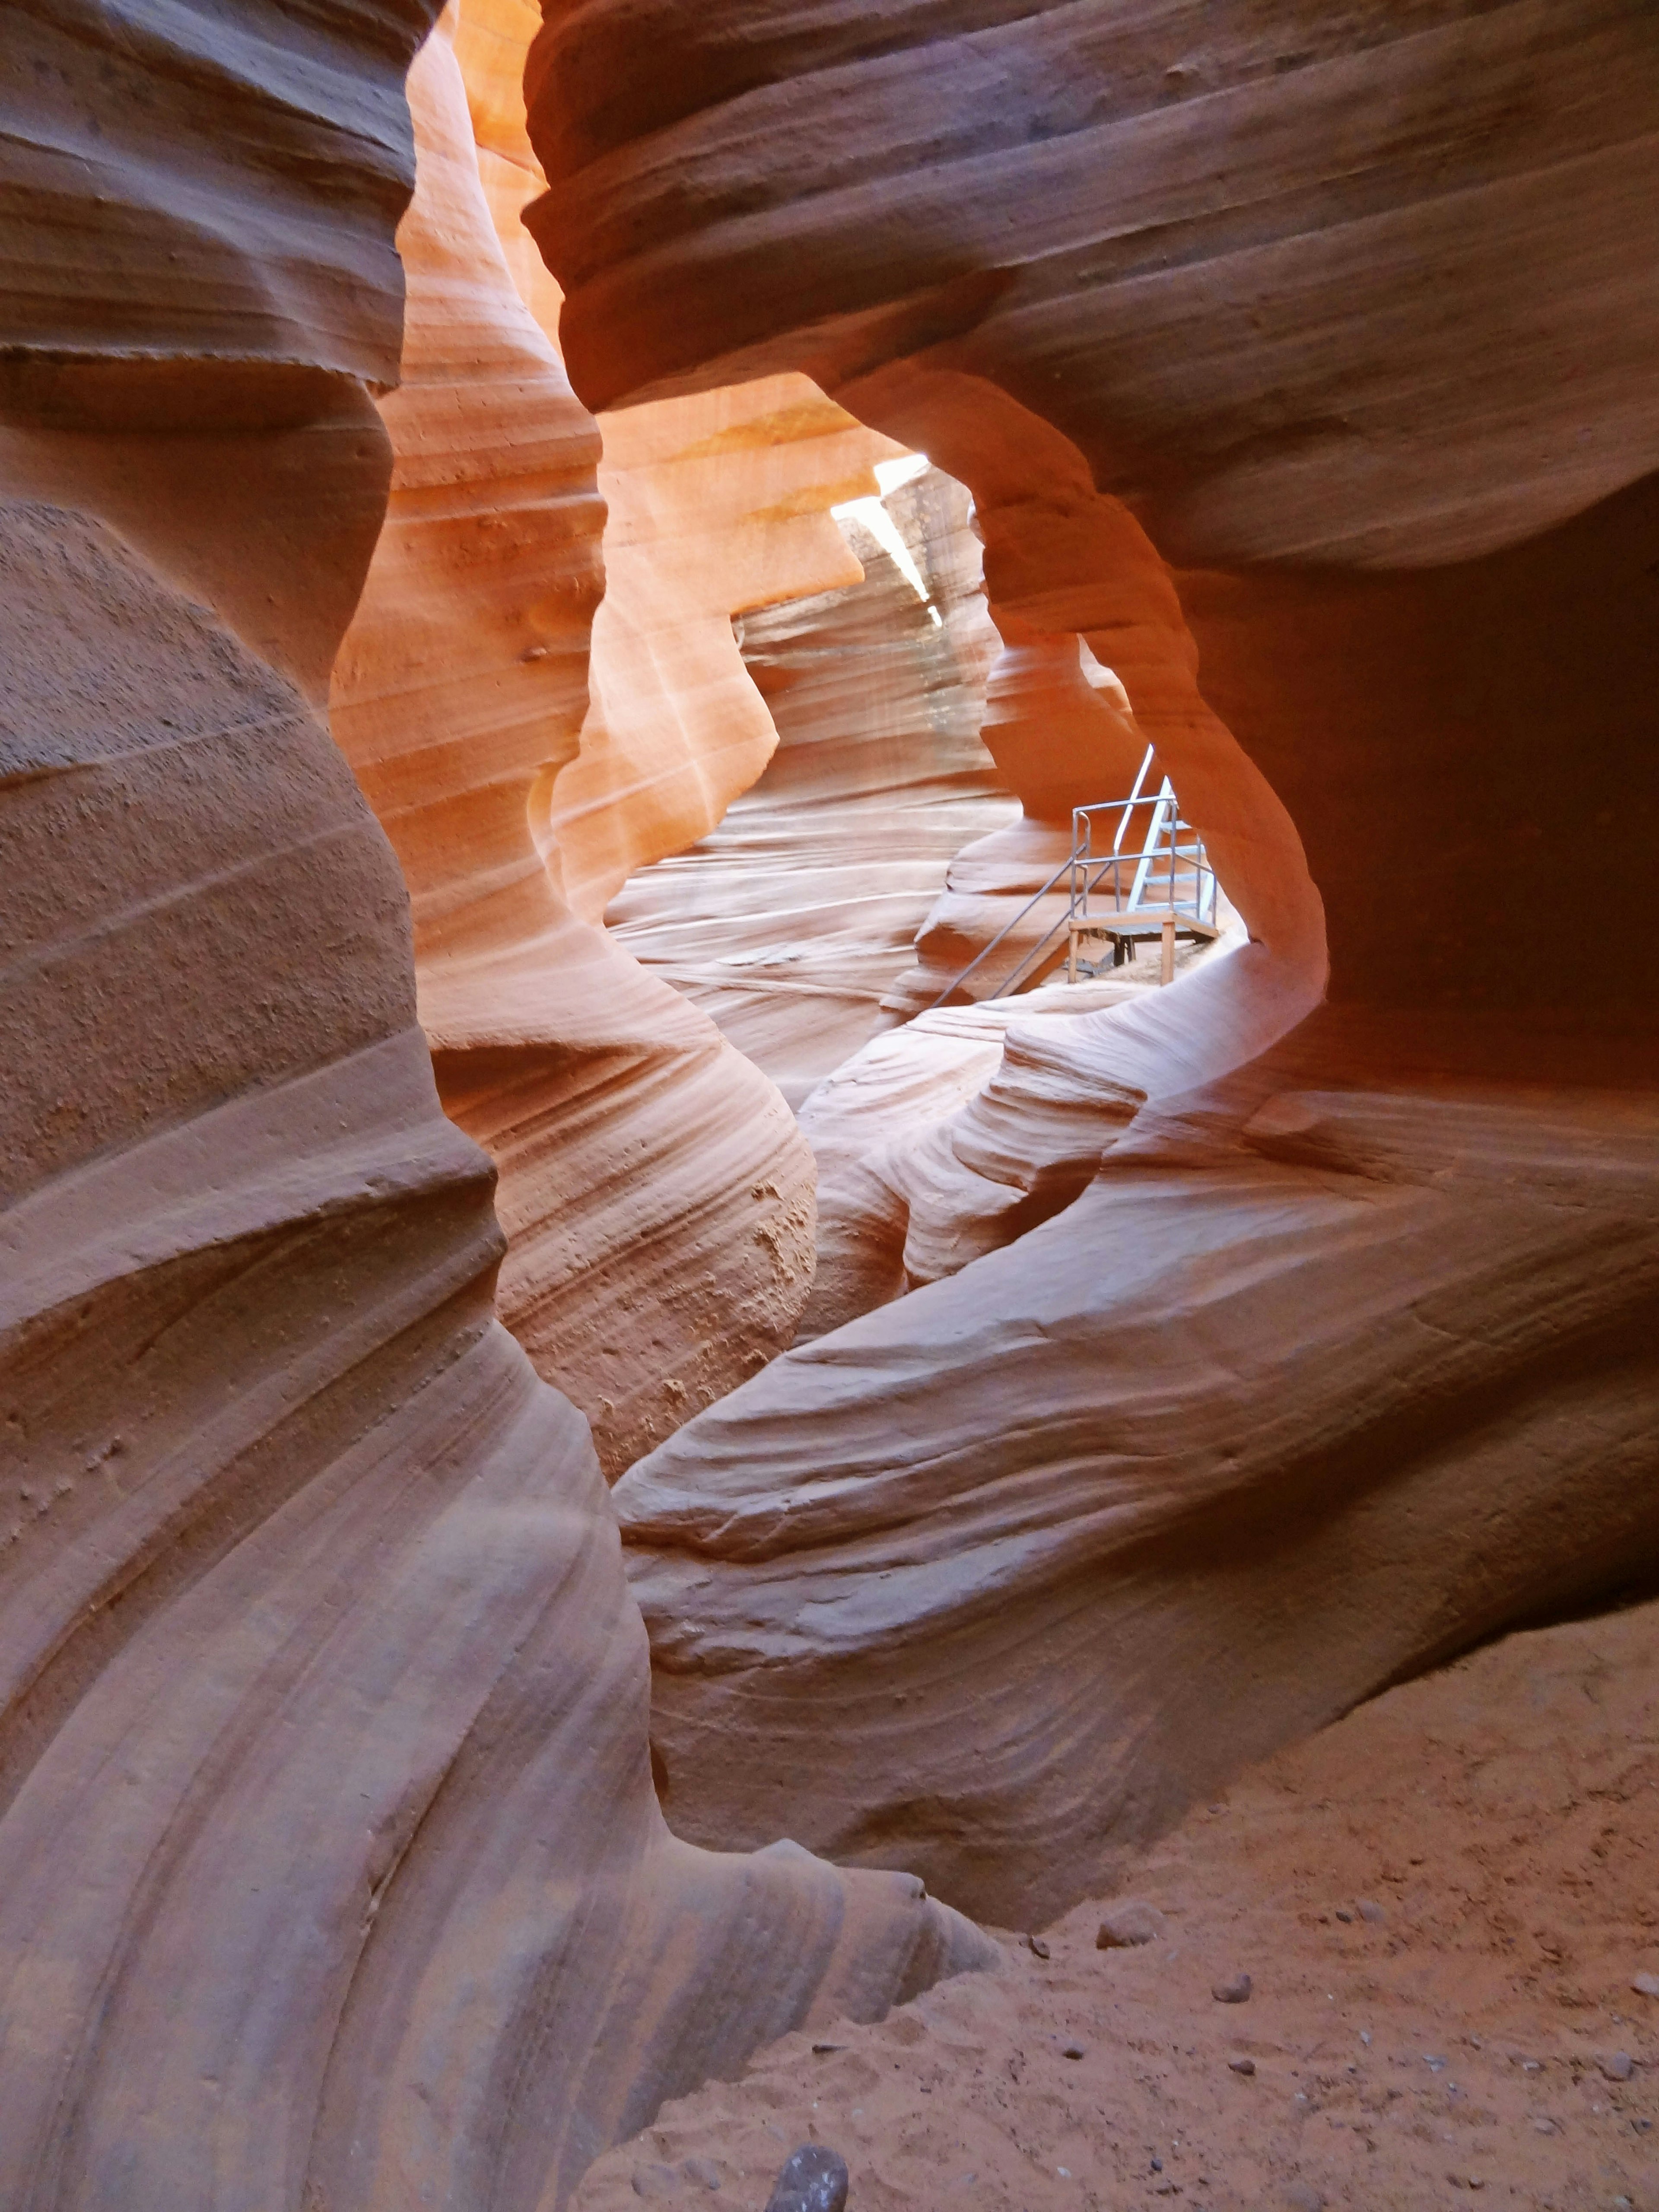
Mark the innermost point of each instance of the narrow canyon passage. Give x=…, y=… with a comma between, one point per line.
x=1269, y=1333
x=644, y=1463
x=792, y=922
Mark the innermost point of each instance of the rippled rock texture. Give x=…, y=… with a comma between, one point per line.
x=718, y=504
x=793, y=922
x=657, y=1197
x=332, y=1875
x=1297, y=365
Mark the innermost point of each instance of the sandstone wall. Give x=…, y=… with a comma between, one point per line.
x=719, y=505
x=1296, y=365
x=330, y=1870
x=794, y=921
x=657, y=1198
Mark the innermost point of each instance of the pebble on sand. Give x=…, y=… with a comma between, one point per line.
x=1371, y=1911
x=813, y=2179
x=1235, y=1989
x=656, y=2183
x=1126, y=1926
x=1242, y=2065
x=1038, y=1947
x=702, y=2170
x=1646, y=1985
x=1616, y=2065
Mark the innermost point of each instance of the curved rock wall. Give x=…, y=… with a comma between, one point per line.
x=331, y=1871
x=792, y=922
x=195, y=221
x=718, y=504
x=657, y=1198
x=1296, y=366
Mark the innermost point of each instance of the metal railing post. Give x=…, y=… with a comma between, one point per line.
x=1084, y=877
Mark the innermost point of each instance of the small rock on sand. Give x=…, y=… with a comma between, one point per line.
x=655, y=2182
x=1242, y=2065
x=1235, y=1989
x=1126, y=1926
x=813, y=2179
x=1646, y=1985
x=1616, y=2065
x=702, y=2170
x=1371, y=1911
x=1036, y=1945
x=1303, y=2197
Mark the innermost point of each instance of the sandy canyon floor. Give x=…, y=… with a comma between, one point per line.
x=1443, y=1903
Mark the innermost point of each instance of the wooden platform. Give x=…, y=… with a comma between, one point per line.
x=1140, y=925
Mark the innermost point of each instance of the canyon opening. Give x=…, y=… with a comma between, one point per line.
x=829, y=1324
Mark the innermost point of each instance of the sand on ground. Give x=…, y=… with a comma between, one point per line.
x=1460, y=2041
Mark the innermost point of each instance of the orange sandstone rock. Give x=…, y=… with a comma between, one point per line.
x=794, y=919
x=718, y=504
x=657, y=1198
x=1296, y=368
x=331, y=1867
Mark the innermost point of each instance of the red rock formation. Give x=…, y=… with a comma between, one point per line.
x=791, y=921
x=330, y=1872
x=657, y=1198
x=1305, y=356
x=718, y=504
x=490, y=38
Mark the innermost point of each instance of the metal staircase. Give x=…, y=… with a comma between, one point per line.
x=1119, y=893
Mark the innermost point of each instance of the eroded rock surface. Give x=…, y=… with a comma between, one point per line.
x=1342, y=1359
x=793, y=922
x=330, y=1870
x=718, y=504
x=657, y=1197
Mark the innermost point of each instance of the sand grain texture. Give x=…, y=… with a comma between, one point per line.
x=1500, y=1822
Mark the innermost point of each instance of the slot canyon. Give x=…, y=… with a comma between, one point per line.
x=718, y=1434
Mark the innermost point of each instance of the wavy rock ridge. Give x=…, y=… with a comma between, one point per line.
x=657, y=1198
x=1325, y=1372
x=330, y=1870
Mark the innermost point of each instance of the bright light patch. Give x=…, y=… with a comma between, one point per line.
x=870, y=514
x=889, y=475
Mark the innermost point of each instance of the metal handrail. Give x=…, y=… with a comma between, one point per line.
x=956, y=982
x=1165, y=818
x=1165, y=812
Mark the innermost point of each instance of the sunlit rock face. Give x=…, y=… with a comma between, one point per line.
x=331, y=1873
x=1298, y=366
x=793, y=922
x=719, y=505
x=657, y=1197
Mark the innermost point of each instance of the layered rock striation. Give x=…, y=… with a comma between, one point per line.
x=1296, y=368
x=795, y=919
x=718, y=504
x=330, y=1870
x=657, y=1198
